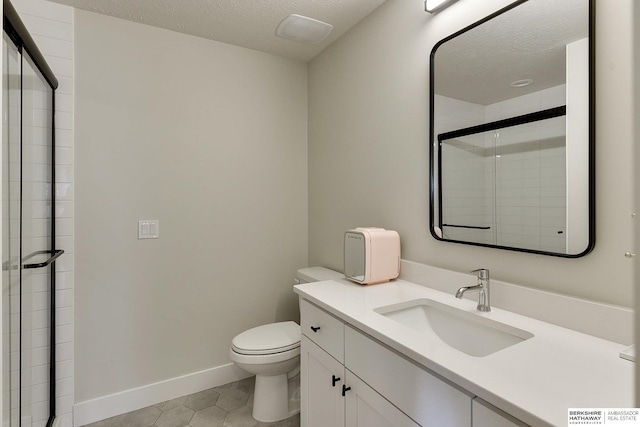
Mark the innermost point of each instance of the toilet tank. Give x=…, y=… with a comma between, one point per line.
x=317, y=274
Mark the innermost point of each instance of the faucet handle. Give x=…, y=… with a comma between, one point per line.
x=483, y=273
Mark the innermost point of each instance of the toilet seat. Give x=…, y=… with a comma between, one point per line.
x=268, y=339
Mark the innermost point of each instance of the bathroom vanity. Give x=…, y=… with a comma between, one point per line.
x=375, y=356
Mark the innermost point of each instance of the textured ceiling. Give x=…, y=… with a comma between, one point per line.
x=247, y=23
x=527, y=42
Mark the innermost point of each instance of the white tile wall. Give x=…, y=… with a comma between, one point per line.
x=459, y=115
x=51, y=26
x=530, y=186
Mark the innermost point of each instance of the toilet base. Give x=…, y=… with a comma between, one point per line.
x=276, y=397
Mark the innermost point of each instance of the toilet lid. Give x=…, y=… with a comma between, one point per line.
x=268, y=339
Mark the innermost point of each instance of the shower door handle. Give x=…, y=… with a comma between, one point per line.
x=55, y=254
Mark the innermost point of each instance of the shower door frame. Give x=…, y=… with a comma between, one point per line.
x=19, y=35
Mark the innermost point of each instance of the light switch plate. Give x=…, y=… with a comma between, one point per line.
x=148, y=229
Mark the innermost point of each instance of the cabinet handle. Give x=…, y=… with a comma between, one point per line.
x=315, y=328
x=345, y=389
x=334, y=380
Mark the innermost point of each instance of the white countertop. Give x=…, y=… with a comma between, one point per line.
x=536, y=380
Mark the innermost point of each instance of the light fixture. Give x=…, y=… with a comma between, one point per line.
x=433, y=6
x=303, y=29
x=521, y=83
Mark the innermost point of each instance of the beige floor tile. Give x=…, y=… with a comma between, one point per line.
x=202, y=400
x=170, y=404
x=142, y=417
x=229, y=405
x=209, y=417
x=247, y=385
x=240, y=417
x=232, y=399
x=176, y=417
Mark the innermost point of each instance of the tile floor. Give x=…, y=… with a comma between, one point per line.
x=224, y=406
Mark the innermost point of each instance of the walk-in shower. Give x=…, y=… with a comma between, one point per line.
x=28, y=230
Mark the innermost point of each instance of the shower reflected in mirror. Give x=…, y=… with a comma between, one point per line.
x=511, y=138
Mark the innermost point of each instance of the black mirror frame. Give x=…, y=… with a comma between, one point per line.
x=592, y=129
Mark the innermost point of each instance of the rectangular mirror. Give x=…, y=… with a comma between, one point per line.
x=512, y=139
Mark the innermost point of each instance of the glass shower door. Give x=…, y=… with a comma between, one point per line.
x=36, y=202
x=28, y=242
x=11, y=132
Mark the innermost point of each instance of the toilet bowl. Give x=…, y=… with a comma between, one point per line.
x=272, y=353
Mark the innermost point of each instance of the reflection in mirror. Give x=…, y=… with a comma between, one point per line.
x=511, y=131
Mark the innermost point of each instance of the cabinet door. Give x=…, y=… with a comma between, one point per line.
x=321, y=381
x=487, y=415
x=366, y=408
x=420, y=394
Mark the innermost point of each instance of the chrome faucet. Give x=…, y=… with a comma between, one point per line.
x=484, y=296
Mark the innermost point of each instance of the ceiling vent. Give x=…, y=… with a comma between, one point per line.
x=303, y=29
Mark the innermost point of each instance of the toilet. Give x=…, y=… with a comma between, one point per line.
x=272, y=353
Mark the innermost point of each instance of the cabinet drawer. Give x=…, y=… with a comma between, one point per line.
x=430, y=401
x=323, y=329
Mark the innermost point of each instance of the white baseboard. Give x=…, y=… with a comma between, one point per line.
x=109, y=406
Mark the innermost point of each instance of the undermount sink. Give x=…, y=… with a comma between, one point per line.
x=465, y=331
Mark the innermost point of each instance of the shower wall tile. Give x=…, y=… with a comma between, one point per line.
x=64, y=315
x=43, y=27
x=51, y=25
x=64, y=173
x=64, y=354
x=54, y=47
x=43, y=9
x=64, y=367
x=64, y=120
x=64, y=264
x=64, y=404
x=65, y=386
x=65, y=85
x=64, y=280
x=64, y=333
x=64, y=102
x=64, y=209
x=62, y=66
x=65, y=243
x=64, y=191
x=64, y=155
x=64, y=298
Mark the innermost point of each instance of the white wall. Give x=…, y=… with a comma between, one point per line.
x=51, y=26
x=211, y=140
x=577, y=152
x=368, y=149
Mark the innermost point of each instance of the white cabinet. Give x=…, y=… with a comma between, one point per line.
x=323, y=329
x=348, y=379
x=419, y=393
x=366, y=408
x=487, y=415
x=332, y=396
x=321, y=381
x=343, y=384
